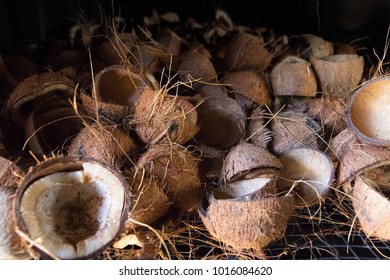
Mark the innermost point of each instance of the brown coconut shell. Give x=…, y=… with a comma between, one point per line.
x=366, y=201
x=330, y=111
x=338, y=74
x=178, y=169
x=76, y=217
x=212, y=160
x=117, y=89
x=11, y=245
x=104, y=143
x=290, y=129
x=308, y=173
x=359, y=158
x=148, y=200
x=293, y=76
x=145, y=58
x=117, y=48
x=34, y=90
x=163, y=117
x=221, y=122
x=316, y=46
x=196, y=69
x=246, y=51
x=367, y=112
x=249, y=84
x=51, y=127
x=18, y=68
x=244, y=224
x=341, y=143
x=212, y=90
x=257, y=132
x=246, y=159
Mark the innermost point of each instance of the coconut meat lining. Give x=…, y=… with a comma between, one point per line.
x=73, y=214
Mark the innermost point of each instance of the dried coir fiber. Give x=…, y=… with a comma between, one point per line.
x=257, y=132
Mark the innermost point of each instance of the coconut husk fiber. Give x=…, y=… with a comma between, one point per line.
x=178, y=169
x=246, y=224
x=367, y=112
x=160, y=116
x=308, y=172
x=257, y=132
x=366, y=201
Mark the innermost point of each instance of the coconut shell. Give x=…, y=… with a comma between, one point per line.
x=104, y=143
x=366, y=202
x=11, y=245
x=18, y=68
x=246, y=158
x=367, y=112
x=212, y=160
x=148, y=200
x=221, y=122
x=212, y=90
x=308, y=172
x=257, y=132
x=196, y=68
x=246, y=224
x=51, y=127
x=117, y=48
x=246, y=51
x=293, y=76
x=290, y=129
x=341, y=143
x=33, y=91
x=178, y=169
x=338, y=74
x=316, y=46
x=249, y=84
x=79, y=215
x=163, y=117
x=330, y=112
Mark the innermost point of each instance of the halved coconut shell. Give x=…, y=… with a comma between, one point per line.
x=159, y=117
x=341, y=143
x=246, y=160
x=257, y=132
x=293, y=76
x=244, y=224
x=316, y=46
x=249, y=84
x=367, y=112
x=178, y=169
x=372, y=207
x=71, y=208
x=221, y=122
x=307, y=172
x=11, y=245
x=105, y=143
x=339, y=74
x=34, y=90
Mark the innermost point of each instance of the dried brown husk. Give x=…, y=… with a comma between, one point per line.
x=102, y=142
x=160, y=116
x=246, y=159
x=51, y=126
x=114, y=93
x=290, y=129
x=257, y=132
x=341, y=143
x=212, y=160
x=308, y=172
x=18, y=68
x=372, y=207
x=69, y=208
x=148, y=200
x=178, y=169
x=316, y=46
x=212, y=90
x=196, y=69
x=250, y=84
x=246, y=51
x=293, y=76
x=330, y=111
x=117, y=48
x=367, y=112
x=34, y=90
x=11, y=245
x=221, y=122
x=338, y=74
x=244, y=224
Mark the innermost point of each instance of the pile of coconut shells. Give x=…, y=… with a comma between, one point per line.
x=118, y=135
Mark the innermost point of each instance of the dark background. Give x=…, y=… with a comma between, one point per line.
x=334, y=20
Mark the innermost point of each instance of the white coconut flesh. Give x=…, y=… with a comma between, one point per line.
x=242, y=188
x=368, y=111
x=74, y=214
x=308, y=172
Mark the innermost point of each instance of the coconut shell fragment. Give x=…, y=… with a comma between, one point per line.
x=70, y=208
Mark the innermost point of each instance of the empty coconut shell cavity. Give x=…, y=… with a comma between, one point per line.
x=71, y=209
x=307, y=172
x=367, y=112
